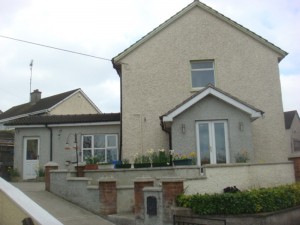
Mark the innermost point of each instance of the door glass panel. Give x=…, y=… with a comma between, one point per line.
x=32, y=149
x=219, y=130
x=87, y=141
x=204, y=143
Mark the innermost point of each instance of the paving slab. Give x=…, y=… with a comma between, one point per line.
x=64, y=211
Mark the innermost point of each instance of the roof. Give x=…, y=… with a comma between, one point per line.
x=289, y=117
x=216, y=92
x=208, y=9
x=42, y=106
x=65, y=119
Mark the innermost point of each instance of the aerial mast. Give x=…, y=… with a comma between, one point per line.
x=31, y=64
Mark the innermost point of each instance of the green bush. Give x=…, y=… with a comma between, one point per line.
x=247, y=202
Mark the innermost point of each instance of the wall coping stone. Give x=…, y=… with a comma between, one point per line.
x=152, y=189
x=60, y=171
x=293, y=156
x=123, y=187
x=79, y=179
x=244, y=164
x=171, y=179
x=51, y=164
x=92, y=187
x=144, y=179
x=106, y=179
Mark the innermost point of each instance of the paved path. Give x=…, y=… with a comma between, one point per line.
x=64, y=211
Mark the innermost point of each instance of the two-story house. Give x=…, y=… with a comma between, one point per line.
x=202, y=82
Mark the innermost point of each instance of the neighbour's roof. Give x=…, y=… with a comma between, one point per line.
x=64, y=119
x=216, y=92
x=208, y=9
x=39, y=107
x=288, y=118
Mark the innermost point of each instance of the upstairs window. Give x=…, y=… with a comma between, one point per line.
x=202, y=73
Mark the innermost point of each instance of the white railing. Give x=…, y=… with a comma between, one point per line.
x=16, y=206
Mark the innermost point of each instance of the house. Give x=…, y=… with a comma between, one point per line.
x=6, y=152
x=292, y=126
x=42, y=127
x=40, y=139
x=70, y=102
x=202, y=82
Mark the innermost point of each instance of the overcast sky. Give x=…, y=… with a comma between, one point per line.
x=104, y=28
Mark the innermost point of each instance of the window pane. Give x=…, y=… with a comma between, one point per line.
x=87, y=141
x=202, y=65
x=86, y=154
x=99, y=141
x=100, y=154
x=202, y=78
x=204, y=143
x=220, y=142
x=32, y=149
x=111, y=141
x=112, y=155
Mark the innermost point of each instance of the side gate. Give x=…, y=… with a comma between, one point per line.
x=185, y=220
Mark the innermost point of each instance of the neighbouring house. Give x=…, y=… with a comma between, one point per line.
x=6, y=151
x=40, y=139
x=292, y=126
x=35, y=135
x=202, y=82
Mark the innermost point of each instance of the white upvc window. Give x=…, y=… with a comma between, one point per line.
x=103, y=146
x=202, y=73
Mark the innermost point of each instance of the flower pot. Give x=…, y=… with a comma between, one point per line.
x=141, y=165
x=160, y=164
x=123, y=166
x=91, y=167
x=182, y=162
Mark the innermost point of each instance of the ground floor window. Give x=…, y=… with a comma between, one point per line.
x=103, y=146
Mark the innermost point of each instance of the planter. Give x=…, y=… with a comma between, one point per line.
x=160, y=164
x=182, y=162
x=91, y=167
x=123, y=166
x=141, y=165
x=15, y=179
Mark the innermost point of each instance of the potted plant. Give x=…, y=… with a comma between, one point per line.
x=180, y=159
x=40, y=174
x=141, y=161
x=14, y=175
x=160, y=158
x=124, y=164
x=91, y=163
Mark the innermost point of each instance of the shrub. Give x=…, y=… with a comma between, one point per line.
x=247, y=202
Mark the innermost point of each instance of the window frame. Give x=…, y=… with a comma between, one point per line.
x=202, y=69
x=105, y=148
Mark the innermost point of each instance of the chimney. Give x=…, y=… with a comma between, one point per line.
x=35, y=96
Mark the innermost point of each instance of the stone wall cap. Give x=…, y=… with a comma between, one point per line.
x=79, y=179
x=171, y=179
x=144, y=179
x=152, y=189
x=51, y=164
x=107, y=179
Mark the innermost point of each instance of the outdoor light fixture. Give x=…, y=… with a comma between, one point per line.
x=183, y=128
x=241, y=126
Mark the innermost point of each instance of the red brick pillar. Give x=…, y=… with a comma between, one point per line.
x=139, y=185
x=171, y=188
x=296, y=161
x=108, y=196
x=48, y=167
x=79, y=170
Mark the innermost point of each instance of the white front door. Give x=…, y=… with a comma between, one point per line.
x=212, y=142
x=31, y=158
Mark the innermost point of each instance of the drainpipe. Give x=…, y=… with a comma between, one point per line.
x=51, y=137
x=169, y=132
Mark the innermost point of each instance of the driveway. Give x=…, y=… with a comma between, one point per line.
x=64, y=211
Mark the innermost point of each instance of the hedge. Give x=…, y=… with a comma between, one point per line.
x=246, y=202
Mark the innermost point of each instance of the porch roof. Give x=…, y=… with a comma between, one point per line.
x=218, y=93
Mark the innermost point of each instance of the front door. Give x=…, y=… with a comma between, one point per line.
x=212, y=142
x=31, y=158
